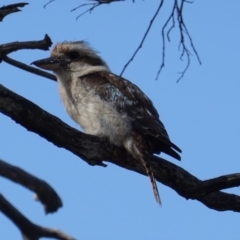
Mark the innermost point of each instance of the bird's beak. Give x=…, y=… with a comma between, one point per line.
x=51, y=63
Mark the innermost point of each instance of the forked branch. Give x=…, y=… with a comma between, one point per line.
x=44, y=192
x=176, y=18
x=29, y=230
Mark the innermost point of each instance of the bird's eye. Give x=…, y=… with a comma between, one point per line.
x=73, y=55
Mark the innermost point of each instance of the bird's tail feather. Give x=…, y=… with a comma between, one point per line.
x=136, y=148
x=149, y=171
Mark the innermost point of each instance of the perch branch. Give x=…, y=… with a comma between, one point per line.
x=94, y=150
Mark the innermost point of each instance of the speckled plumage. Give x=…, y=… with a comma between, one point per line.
x=107, y=105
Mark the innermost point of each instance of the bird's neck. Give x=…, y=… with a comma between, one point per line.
x=85, y=70
x=64, y=75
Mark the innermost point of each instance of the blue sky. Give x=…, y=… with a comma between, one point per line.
x=201, y=114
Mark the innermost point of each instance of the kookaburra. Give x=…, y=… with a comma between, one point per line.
x=107, y=105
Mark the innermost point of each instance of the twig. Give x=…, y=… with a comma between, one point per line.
x=144, y=37
x=187, y=65
x=88, y=10
x=182, y=44
x=50, y=1
x=163, y=41
x=29, y=230
x=94, y=4
x=44, y=192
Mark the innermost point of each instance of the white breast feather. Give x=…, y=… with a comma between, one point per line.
x=95, y=116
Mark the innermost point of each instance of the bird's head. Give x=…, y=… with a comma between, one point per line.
x=72, y=57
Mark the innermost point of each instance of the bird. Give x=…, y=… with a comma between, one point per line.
x=107, y=105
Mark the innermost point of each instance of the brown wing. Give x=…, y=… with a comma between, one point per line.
x=128, y=98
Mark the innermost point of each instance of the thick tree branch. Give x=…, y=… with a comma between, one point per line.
x=11, y=8
x=24, y=112
x=94, y=150
x=29, y=230
x=190, y=187
x=44, y=192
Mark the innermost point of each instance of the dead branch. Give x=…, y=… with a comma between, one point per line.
x=29, y=230
x=8, y=48
x=94, y=150
x=11, y=8
x=28, y=68
x=44, y=192
x=44, y=44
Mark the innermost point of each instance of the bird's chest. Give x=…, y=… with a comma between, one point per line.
x=94, y=115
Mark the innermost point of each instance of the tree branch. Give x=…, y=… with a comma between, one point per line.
x=44, y=192
x=44, y=44
x=144, y=37
x=8, y=48
x=94, y=4
x=28, y=68
x=177, y=12
x=11, y=8
x=29, y=230
x=94, y=150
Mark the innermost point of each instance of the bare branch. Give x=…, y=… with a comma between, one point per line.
x=94, y=150
x=190, y=187
x=216, y=184
x=94, y=4
x=11, y=8
x=177, y=10
x=28, y=68
x=163, y=41
x=29, y=230
x=187, y=66
x=45, y=193
x=50, y=1
x=31, y=110
x=44, y=44
x=143, y=39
